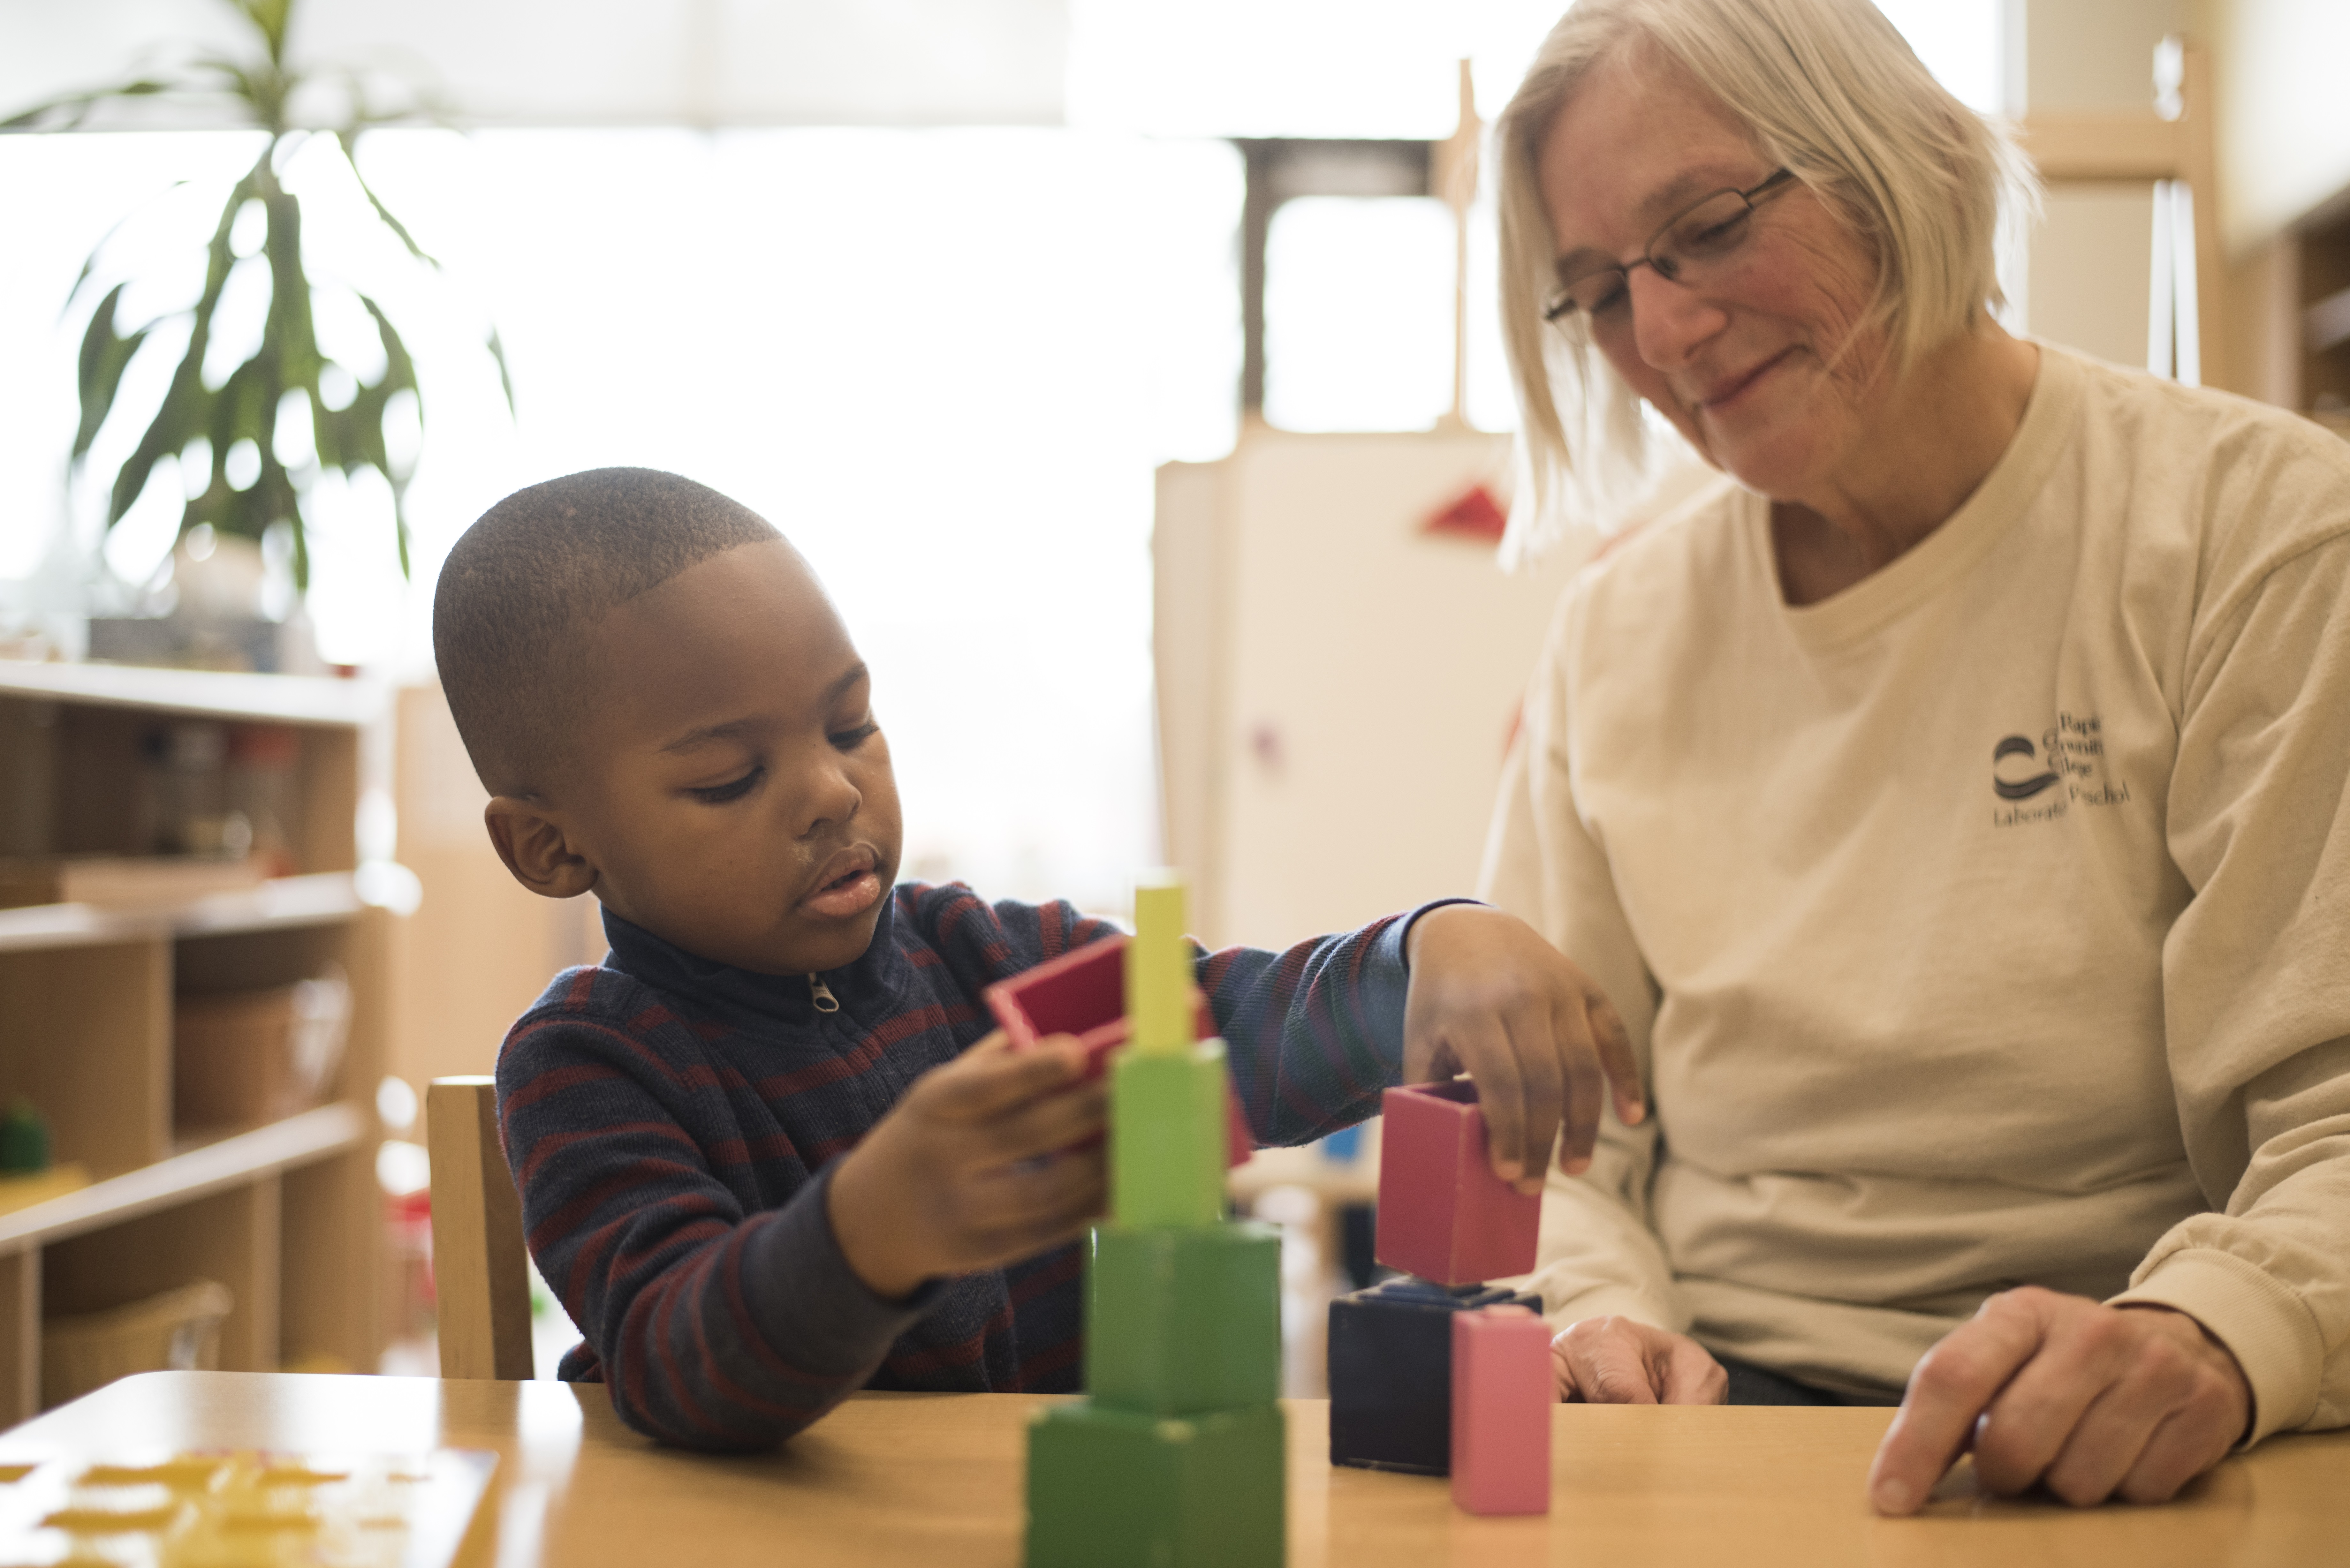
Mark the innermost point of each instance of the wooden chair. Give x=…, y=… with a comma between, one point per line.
x=480, y=1276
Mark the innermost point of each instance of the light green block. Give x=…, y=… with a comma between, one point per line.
x=1181, y=1321
x=1167, y=1137
x=1112, y=1488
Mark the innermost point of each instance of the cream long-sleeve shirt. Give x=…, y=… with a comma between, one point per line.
x=1986, y=923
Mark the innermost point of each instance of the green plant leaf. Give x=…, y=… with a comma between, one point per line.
x=271, y=18
x=348, y=139
x=105, y=355
x=506, y=378
x=76, y=107
x=244, y=406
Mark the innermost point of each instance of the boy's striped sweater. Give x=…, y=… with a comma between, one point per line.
x=670, y=1122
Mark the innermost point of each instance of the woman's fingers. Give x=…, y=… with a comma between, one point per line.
x=1691, y=1375
x=1606, y=1362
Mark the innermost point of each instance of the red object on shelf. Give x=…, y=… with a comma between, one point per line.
x=1501, y=1398
x=1476, y=515
x=1444, y=1214
x=1083, y=994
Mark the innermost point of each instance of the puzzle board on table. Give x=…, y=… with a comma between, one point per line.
x=242, y=1511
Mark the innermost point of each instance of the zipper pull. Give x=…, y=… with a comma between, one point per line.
x=821, y=995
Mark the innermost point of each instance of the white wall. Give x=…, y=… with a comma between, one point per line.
x=2087, y=283
x=2285, y=132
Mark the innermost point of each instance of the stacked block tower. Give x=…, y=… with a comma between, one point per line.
x=1447, y=1220
x=1177, y=1455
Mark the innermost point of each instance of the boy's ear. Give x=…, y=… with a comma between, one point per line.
x=535, y=849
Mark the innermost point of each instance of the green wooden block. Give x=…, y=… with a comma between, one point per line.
x=1167, y=1137
x=1144, y=1492
x=1185, y=1320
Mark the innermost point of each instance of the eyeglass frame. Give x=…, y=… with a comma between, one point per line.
x=1559, y=310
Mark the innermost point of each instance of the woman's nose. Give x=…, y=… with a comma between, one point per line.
x=1669, y=320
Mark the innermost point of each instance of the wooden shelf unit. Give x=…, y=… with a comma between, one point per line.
x=287, y=1214
x=2324, y=312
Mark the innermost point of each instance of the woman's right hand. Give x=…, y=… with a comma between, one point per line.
x=1618, y=1360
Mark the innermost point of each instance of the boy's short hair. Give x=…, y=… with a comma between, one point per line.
x=532, y=574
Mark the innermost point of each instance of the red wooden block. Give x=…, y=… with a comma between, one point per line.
x=1083, y=994
x=1444, y=1214
x=1501, y=1396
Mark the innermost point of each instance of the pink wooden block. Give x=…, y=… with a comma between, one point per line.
x=1501, y=1396
x=1083, y=994
x=1444, y=1214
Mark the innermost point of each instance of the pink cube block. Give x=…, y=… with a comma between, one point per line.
x=1501, y=1398
x=1444, y=1214
x=1083, y=994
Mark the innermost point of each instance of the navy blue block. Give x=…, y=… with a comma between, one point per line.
x=1392, y=1372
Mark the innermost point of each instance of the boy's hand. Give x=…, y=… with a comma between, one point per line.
x=1490, y=997
x=969, y=1170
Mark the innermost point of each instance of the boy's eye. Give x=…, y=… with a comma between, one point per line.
x=850, y=738
x=719, y=794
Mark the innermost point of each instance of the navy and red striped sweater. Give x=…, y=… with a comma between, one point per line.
x=670, y=1122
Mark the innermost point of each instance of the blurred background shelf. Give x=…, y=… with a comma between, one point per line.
x=281, y=1203
x=317, y=899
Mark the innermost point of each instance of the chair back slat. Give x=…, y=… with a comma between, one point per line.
x=480, y=1273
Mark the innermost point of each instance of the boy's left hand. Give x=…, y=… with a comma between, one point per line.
x=1492, y=998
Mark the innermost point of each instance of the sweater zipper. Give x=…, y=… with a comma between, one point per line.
x=821, y=995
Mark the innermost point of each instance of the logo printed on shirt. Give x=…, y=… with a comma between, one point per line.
x=2019, y=782
x=2070, y=753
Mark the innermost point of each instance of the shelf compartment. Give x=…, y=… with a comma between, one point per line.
x=199, y=1172
x=207, y=694
x=84, y=1037
x=230, y=1236
x=284, y=902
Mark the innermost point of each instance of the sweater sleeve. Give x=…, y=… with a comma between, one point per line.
x=1597, y=1255
x=1315, y=1033
x=716, y=1329
x=2256, y=991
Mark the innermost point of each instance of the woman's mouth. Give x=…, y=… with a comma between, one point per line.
x=1720, y=397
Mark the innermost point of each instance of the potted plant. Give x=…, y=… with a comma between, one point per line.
x=218, y=608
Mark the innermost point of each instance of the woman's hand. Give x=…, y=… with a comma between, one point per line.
x=2088, y=1400
x=1489, y=997
x=1616, y=1361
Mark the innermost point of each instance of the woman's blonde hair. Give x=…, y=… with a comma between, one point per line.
x=1828, y=89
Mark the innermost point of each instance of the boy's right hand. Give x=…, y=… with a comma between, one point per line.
x=974, y=1168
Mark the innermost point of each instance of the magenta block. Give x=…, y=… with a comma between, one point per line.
x=1083, y=994
x=1444, y=1214
x=1501, y=1396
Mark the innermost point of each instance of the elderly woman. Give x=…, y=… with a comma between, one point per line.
x=1949, y=800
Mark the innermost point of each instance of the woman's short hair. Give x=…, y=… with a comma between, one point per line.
x=1830, y=91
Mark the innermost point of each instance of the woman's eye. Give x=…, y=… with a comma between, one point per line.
x=719, y=794
x=1714, y=237
x=850, y=738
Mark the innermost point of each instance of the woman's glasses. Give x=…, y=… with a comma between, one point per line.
x=1684, y=251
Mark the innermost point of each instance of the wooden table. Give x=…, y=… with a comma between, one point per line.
x=935, y=1478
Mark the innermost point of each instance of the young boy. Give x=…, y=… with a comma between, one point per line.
x=769, y=1152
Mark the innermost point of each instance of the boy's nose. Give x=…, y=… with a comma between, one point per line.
x=831, y=801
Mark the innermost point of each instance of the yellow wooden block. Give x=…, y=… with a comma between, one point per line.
x=1159, y=968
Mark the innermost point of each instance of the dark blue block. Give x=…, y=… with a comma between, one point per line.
x=1392, y=1372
